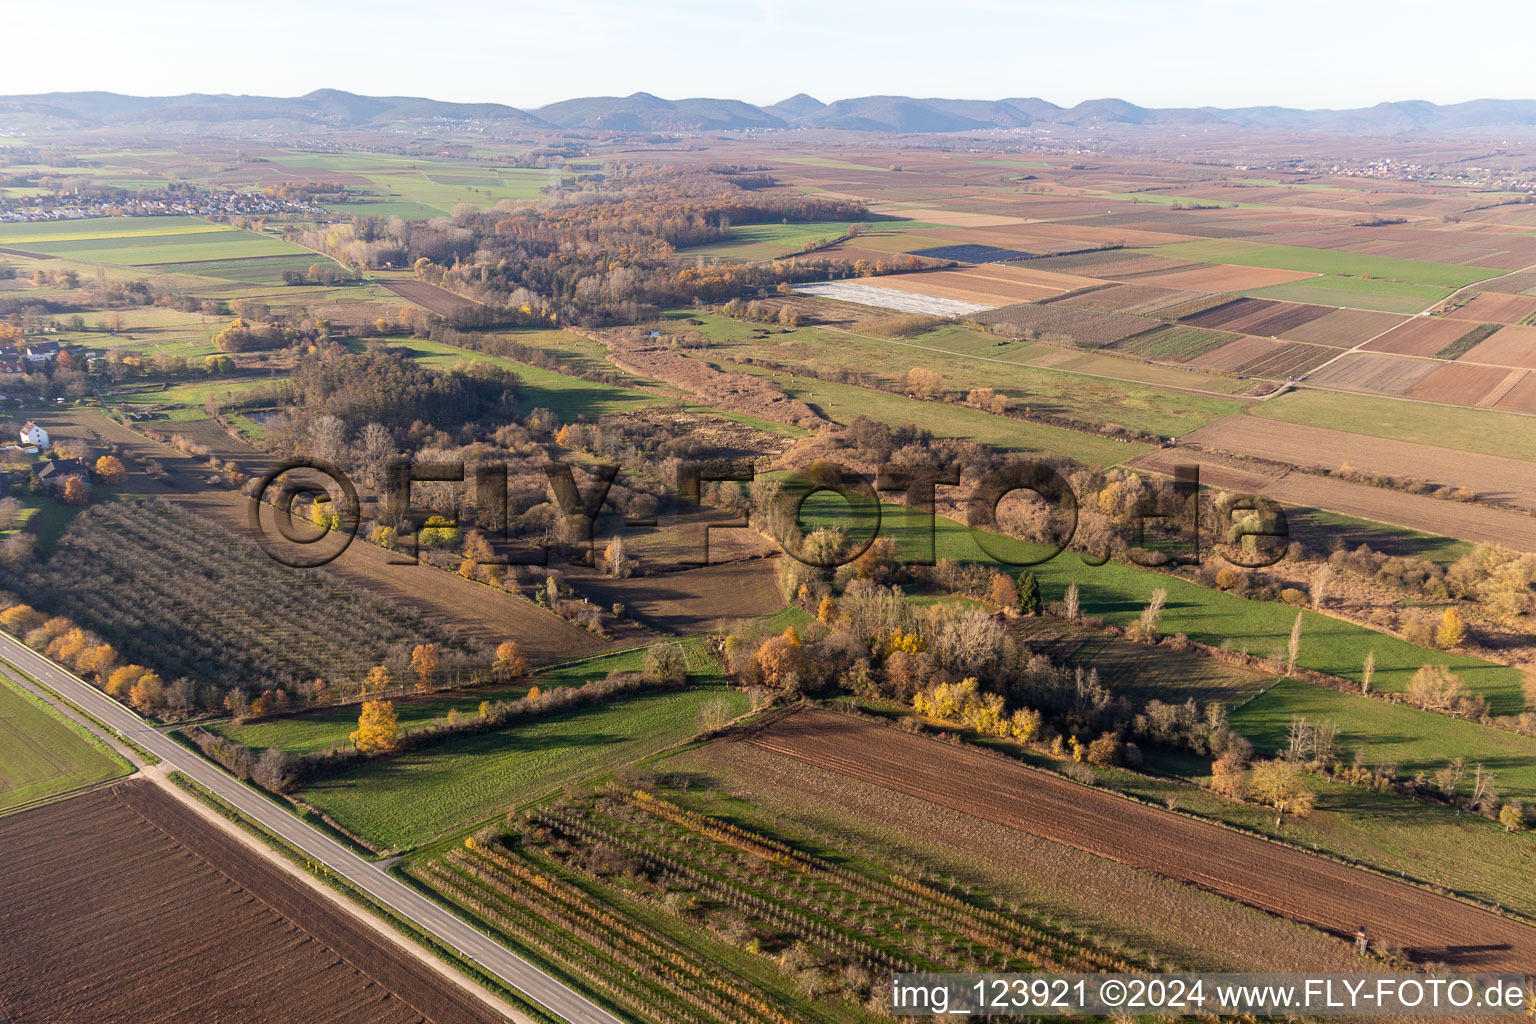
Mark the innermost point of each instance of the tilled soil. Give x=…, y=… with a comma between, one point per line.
x=1277, y=879
x=122, y=905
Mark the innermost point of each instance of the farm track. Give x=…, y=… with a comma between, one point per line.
x=186, y=923
x=1268, y=876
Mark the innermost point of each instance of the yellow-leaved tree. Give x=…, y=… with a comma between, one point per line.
x=378, y=728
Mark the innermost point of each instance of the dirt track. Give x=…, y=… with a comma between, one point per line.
x=1271, y=877
x=124, y=905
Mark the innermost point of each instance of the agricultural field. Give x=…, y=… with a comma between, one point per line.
x=1060, y=325
x=1184, y=927
x=1470, y=430
x=891, y=298
x=1505, y=346
x=1413, y=740
x=1466, y=521
x=1369, y=371
x=1421, y=336
x=144, y=241
x=754, y=242
x=42, y=754
x=216, y=946
x=1117, y=593
x=404, y=801
x=183, y=621
x=1444, y=276
x=1096, y=389
x=665, y=912
x=1174, y=343
x=1491, y=307
x=1266, y=876
x=1344, y=328
x=1492, y=477
x=1142, y=672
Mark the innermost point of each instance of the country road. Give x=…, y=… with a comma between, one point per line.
x=519, y=975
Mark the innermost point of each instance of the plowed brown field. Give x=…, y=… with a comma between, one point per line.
x=1459, y=383
x=1491, y=476
x=1511, y=346
x=1362, y=371
x=123, y=905
x=1344, y=328
x=1274, y=878
x=1224, y=278
x=430, y=297
x=1496, y=308
x=1465, y=521
x=1421, y=336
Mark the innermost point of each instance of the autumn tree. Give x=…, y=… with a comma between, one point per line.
x=76, y=491
x=1512, y=816
x=378, y=728
x=1281, y=784
x=1453, y=630
x=923, y=383
x=424, y=661
x=509, y=663
x=616, y=558
x=147, y=693
x=1004, y=593
x=377, y=681
x=110, y=468
x=122, y=679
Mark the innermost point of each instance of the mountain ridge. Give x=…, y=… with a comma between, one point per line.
x=645, y=112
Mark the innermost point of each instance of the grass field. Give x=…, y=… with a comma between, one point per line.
x=966, y=359
x=768, y=241
x=267, y=270
x=1328, y=528
x=1426, y=842
x=318, y=730
x=184, y=401
x=569, y=398
x=1470, y=430
x=1391, y=734
x=1118, y=592
x=1356, y=293
x=404, y=801
x=43, y=755
x=1445, y=276
x=142, y=241
x=845, y=402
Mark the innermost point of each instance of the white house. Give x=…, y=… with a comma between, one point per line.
x=33, y=434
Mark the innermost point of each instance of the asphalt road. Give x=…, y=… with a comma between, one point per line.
x=491, y=956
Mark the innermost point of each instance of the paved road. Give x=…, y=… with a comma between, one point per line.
x=490, y=955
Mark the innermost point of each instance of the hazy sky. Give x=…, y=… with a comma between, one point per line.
x=1339, y=53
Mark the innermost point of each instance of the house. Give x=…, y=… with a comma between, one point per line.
x=42, y=352
x=32, y=434
x=11, y=362
x=56, y=472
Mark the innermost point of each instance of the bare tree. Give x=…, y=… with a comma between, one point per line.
x=1293, y=650
x=1368, y=672
x=1072, y=603
x=1322, y=580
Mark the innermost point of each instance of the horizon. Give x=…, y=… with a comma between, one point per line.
x=770, y=104
x=1099, y=49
